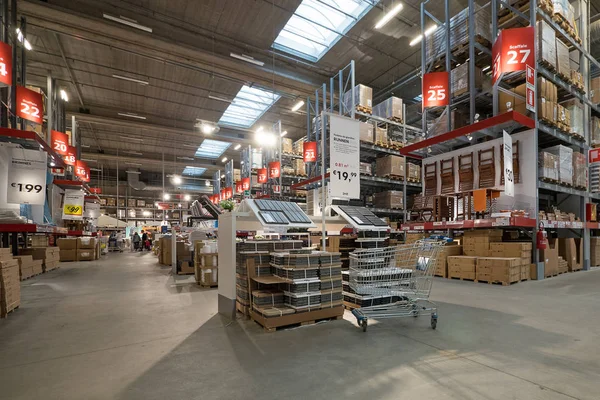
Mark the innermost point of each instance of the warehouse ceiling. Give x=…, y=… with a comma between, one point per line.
x=182, y=55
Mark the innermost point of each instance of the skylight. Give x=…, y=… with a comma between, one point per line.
x=193, y=171
x=212, y=149
x=318, y=24
x=248, y=106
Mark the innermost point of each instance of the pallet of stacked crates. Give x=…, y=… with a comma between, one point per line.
x=10, y=283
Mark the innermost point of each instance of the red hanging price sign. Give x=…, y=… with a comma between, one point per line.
x=96, y=190
x=435, y=89
x=594, y=156
x=245, y=183
x=310, y=151
x=30, y=105
x=5, y=64
x=513, y=51
x=71, y=157
x=238, y=187
x=229, y=192
x=262, y=175
x=223, y=195
x=60, y=142
x=274, y=169
x=81, y=170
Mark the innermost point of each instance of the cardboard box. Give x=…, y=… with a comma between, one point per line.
x=570, y=249
x=68, y=255
x=550, y=258
x=287, y=146
x=506, y=270
x=564, y=155
x=381, y=136
x=86, y=243
x=463, y=267
x=441, y=265
x=512, y=249
x=85, y=255
x=37, y=267
x=46, y=254
x=366, y=132
x=546, y=43
x=186, y=267
x=390, y=199
x=548, y=165
x=516, y=102
x=67, y=243
x=390, y=166
x=414, y=171
x=389, y=109
x=39, y=241
x=460, y=79
x=476, y=243
x=363, y=97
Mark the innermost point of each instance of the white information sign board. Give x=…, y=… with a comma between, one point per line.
x=344, y=148
x=27, y=177
x=73, y=204
x=509, y=182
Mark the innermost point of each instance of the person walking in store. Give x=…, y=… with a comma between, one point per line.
x=136, y=241
x=144, y=240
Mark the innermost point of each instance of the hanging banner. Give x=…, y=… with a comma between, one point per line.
x=229, y=192
x=80, y=169
x=513, y=50
x=223, y=195
x=262, y=175
x=96, y=190
x=27, y=177
x=594, y=156
x=57, y=171
x=530, y=89
x=73, y=204
x=245, y=183
x=435, y=89
x=5, y=65
x=274, y=169
x=238, y=187
x=344, y=147
x=310, y=152
x=71, y=157
x=30, y=105
x=509, y=182
x=60, y=142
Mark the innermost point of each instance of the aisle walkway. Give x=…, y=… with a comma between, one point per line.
x=124, y=328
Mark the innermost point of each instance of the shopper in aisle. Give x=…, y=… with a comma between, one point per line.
x=136, y=241
x=144, y=240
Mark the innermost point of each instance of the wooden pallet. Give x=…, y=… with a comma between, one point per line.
x=394, y=177
x=503, y=283
x=207, y=286
x=382, y=144
x=4, y=315
x=414, y=180
x=396, y=119
x=462, y=279
x=243, y=309
x=563, y=23
x=550, y=180
x=31, y=276
x=350, y=306
x=366, y=110
x=274, y=324
x=550, y=275
x=547, y=65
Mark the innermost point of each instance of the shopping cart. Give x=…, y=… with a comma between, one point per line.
x=403, y=272
x=115, y=245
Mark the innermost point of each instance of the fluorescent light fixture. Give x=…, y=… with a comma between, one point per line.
x=223, y=176
x=246, y=58
x=190, y=145
x=428, y=32
x=193, y=171
x=179, y=205
x=166, y=217
x=317, y=25
x=127, y=21
x=166, y=196
x=224, y=159
x=126, y=78
x=132, y=138
x=95, y=169
x=186, y=158
x=88, y=160
x=266, y=139
x=212, y=149
x=64, y=95
x=23, y=40
x=486, y=68
x=176, y=179
x=187, y=197
x=260, y=129
x=237, y=146
x=207, y=183
x=85, y=146
x=283, y=133
x=52, y=164
x=297, y=106
x=217, y=98
x=207, y=129
x=137, y=153
x=133, y=163
x=131, y=115
x=388, y=16
x=248, y=106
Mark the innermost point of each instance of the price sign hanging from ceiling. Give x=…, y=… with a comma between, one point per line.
x=27, y=177
x=274, y=169
x=30, y=105
x=435, y=89
x=513, y=51
x=261, y=174
x=344, y=145
x=71, y=157
x=310, y=151
x=60, y=142
x=5, y=64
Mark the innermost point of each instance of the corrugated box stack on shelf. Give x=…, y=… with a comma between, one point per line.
x=595, y=90
x=548, y=97
x=477, y=242
x=546, y=44
x=287, y=146
x=520, y=250
x=565, y=163
x=571, y=250
x=563, y=118
x=414, y=172
x=390, y=166
x=563, y=66
x=67, y=249
x=39, y=241
x=365, y=169
x=10, y=283
x=460, y=79
x=441, y=264
x=393, y=199
x=165, y=254
x=576, y=113
x=381, y=136
x=459, y=32
x=29, y=267
x=509, y=102
x=363, y=99
x=595, y=251
x=390, y=109
x=549, y=256
x=413, y=237
x=86, y=249
x=299, y=167
x=366, y=132
x=462, y=267
x=548, y=166
x=298, y=147
x=206, y=264
x=49, y=256
x=494, y=269
x=579, y=170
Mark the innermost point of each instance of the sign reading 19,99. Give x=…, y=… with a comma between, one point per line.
x=27, y=177
x=344, y=145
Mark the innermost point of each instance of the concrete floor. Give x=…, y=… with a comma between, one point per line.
x=124, y=328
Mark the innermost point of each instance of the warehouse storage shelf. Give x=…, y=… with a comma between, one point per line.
x=399, y=125
x=483, y=98
x=32, y=228
x=369, y=150
x=566, y=87
x=377, y=179
x=550, y=136
x=516, y=222
x=292, y=156
x=31, y=140
x=386, y=211
x=563, y=224
x=560, y=189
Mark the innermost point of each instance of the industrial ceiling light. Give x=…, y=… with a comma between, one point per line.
x=179, y=205
x=283, y=133
x=297, y=106
x=266, y=139
x=207, y=183
x=388, y=17
x=176, y=179
x=147, y=213
x=246, y=58
x=187, y=197
x=64, y=95
x=126, y=78
x=52, y=164
x=186, y=158
x=224, y=159
x=88, y=160
x=237, y=146
x=166, y=196
x=132, y=138
x=469, y=137
x=131, y=115
x=486, y=68
x=207, y=129
x=260, y=129
x=127, y=21
x=223, y=176
x=23, y=40
x=217, y=98
x=86, y=146
x=428, y=32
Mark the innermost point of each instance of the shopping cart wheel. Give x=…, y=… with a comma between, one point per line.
x=363, y=325
x=415, y=310
x=434, y=319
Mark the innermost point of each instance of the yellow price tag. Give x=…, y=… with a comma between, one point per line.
x=70, y=209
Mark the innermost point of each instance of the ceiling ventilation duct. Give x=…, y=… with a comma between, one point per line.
x=133, y=179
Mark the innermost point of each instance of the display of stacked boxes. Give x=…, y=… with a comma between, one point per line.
x=29, y=267
x=372, y=239
x=548, y=166
x=477, y=242
x=579, y=170
x=393, y=199
x=206, y=265
x=565, y=163
x=363, y=99
x=10, y=283
x=390, y=166
x=49, y=256
x=390, y=109
x=441, y=265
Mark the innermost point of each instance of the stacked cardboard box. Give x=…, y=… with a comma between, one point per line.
x=563, y=66
x=381, y=136
x=39, y=241
x=595, y=90
x=460, y=79
x=565, y=162
x=68, y=249
x=366, y=132
x=499, y=269
x=441, y=264
x=165, y=253
x=463, y=267
x=548, y=166
x=205, y=267
x=287, y=146
x=10, y=284
x=414, y=172
x=365, y=169
x=26, y=266
x=298, y=147
x=550, y=258
x=579, y=170
x=390, y=166
x=299, y=167
x=595, y=251
x=477, y=242
x=571, y=250
x=458, y=120
x=513, y=102
x=563, y=266
x=363, y=99
x=512, y=250
x=546, y=44
x=49, y=256
x=389, y=109
x=548, y=97
x=575, y=111
x=391, y=199
x=413, y=237
x=563, y=118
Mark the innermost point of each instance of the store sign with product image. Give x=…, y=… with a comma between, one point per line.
x=344, y=147
x=513, y=50
x=59, y=142
x=30, y=105
x=27, y=177
x=5, y=64
x=435, y=89
x=73, y=204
